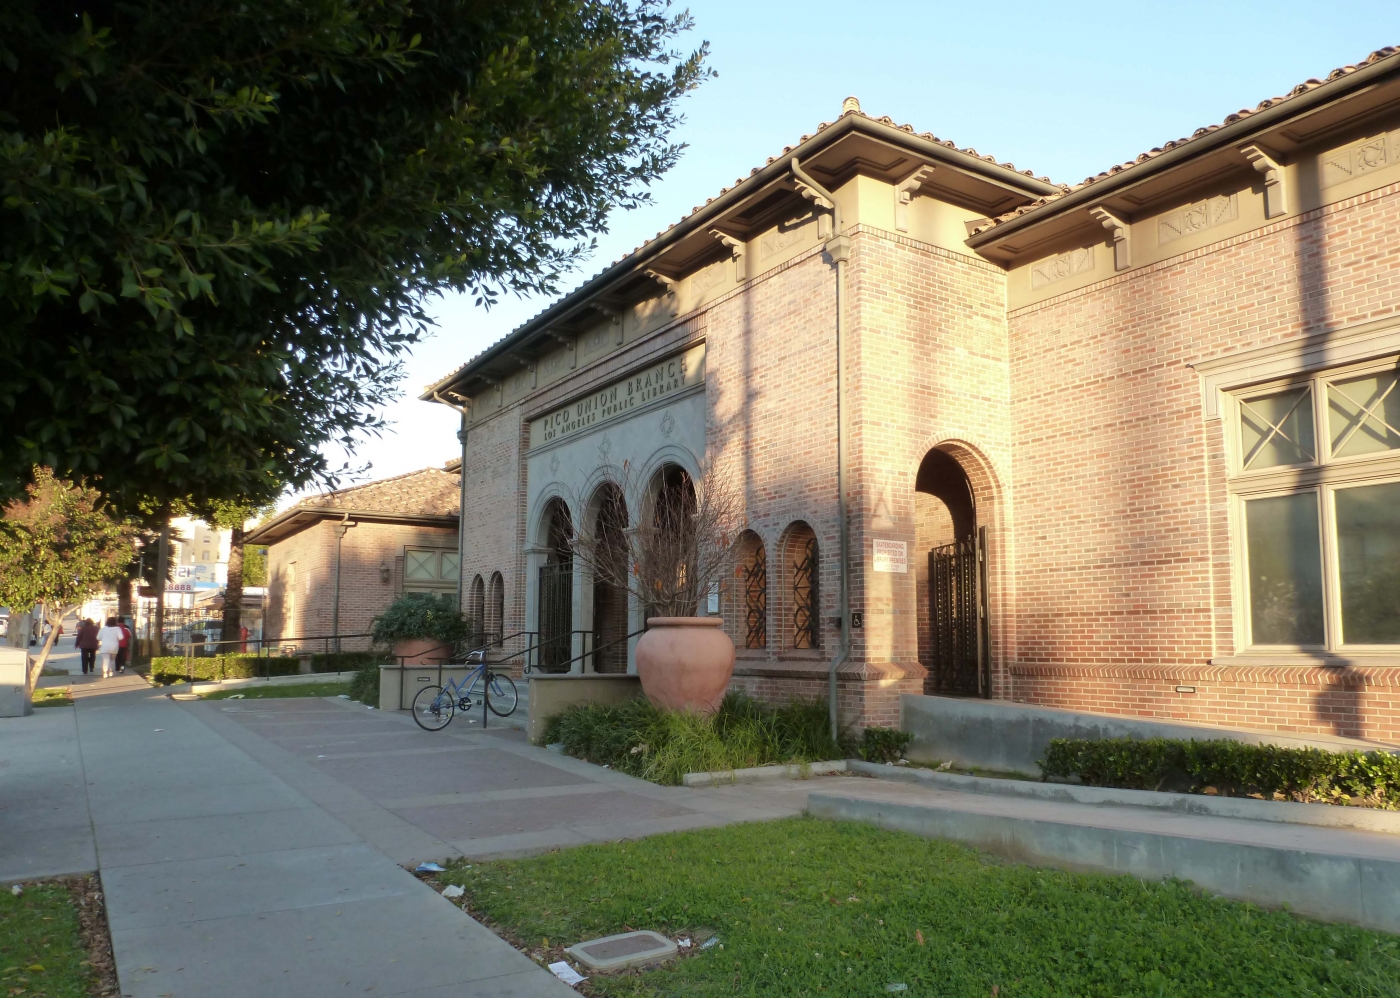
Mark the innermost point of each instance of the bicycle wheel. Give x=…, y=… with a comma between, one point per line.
x=433, y=708
x=503, y=699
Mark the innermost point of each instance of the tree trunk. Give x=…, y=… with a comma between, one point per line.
x=162, y=568
x=233, y=592
x=37, y=668
x=124, y=602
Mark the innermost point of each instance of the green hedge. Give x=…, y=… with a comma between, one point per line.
x=884, y=744
x=348, y=661
x=1229, y=768
x=364, y=686
x=175, y=668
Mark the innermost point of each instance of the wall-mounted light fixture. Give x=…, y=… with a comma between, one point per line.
x=384, y=574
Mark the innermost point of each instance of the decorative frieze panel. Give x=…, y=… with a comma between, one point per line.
x=1197, y=217
x=1360, y=158
x=785, y=237
x=1062, y=267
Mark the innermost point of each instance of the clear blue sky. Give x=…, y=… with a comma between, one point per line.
x=1065, y=90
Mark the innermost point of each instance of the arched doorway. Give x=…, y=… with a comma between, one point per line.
x=609, y=589
x=952, y=579
x=556, y=593
x=667, y=545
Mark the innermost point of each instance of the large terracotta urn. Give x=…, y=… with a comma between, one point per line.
x=685, y=663
x=421, y=651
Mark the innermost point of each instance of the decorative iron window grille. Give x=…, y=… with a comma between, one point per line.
x=756, y=600
x=806, y=614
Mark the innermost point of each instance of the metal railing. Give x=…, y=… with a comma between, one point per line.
x=266, y=649
x=459, y=655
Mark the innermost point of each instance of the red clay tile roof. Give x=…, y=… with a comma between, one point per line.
x=430, y=492
x=1299, y=90
x=847, y=111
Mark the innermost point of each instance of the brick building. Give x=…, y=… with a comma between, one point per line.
x=336, y=560
x=1129, y=445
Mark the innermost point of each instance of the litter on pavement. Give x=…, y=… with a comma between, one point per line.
x=16, y=890
x=453, y=891
x=683, y=942
x=709, y=942
x=430, y=868
x=235, y=696
x=896, y=987
x=565, y=973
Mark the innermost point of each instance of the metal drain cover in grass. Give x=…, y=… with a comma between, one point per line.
x=628, y=949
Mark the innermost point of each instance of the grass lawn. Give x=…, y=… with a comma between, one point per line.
x=269, y=691
x=52, y=696
x=42, y=949
x=804, y=906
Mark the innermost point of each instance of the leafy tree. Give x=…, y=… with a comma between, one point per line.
x=58, y=547
x=219, y=221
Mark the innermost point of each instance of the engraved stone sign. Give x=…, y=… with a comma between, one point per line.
x=660, y=380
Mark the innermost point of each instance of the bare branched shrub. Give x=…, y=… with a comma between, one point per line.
x=678, y=552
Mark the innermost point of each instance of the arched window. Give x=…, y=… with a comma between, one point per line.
x=555, y=614
x=610, y=575
x=747, y=610
x=801, y=577
x=496, y=610
x=477, y=610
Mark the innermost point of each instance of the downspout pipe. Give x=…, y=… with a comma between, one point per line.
x=838, y=247
x=461, y=516
x=464, y=410
x=340, y=530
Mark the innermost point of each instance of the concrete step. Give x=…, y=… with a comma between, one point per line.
x=1367, y=819
x=1333, y=874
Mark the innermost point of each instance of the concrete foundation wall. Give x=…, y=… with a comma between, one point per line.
x=1011, y=737
x=552, y=695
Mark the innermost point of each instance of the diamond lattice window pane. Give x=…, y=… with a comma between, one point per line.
x=1277, y=429
x=420, y=565
x=1363, y=414
x=449, y=562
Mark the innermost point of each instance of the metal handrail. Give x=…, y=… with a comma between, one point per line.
x=595, y=650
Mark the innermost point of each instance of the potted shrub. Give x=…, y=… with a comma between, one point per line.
x=671, y=562
x=421, y=627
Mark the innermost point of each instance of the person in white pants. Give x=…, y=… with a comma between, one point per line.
x=109, y=642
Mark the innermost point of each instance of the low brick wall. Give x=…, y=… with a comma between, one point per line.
x=1346, y=702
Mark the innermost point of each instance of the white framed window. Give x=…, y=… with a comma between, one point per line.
x=429, y=568
x=1315, y=508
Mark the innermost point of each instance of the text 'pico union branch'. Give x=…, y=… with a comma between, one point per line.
x=659, y=380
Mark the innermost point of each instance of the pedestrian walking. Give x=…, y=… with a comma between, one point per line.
x=108, y=644
x=124, y=649
x=86, y=643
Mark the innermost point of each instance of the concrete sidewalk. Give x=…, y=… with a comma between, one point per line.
x=220, y=878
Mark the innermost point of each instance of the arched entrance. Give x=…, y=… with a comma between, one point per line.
x=667, y=545
x=556, y=593
x=954, y=643
x=609, y=592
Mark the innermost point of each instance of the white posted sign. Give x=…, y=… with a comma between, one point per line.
x=891, y=556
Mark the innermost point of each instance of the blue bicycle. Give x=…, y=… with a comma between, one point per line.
x=435, y=706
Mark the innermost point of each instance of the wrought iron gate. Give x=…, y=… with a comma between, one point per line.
x=957, y=582
x=556, y=615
